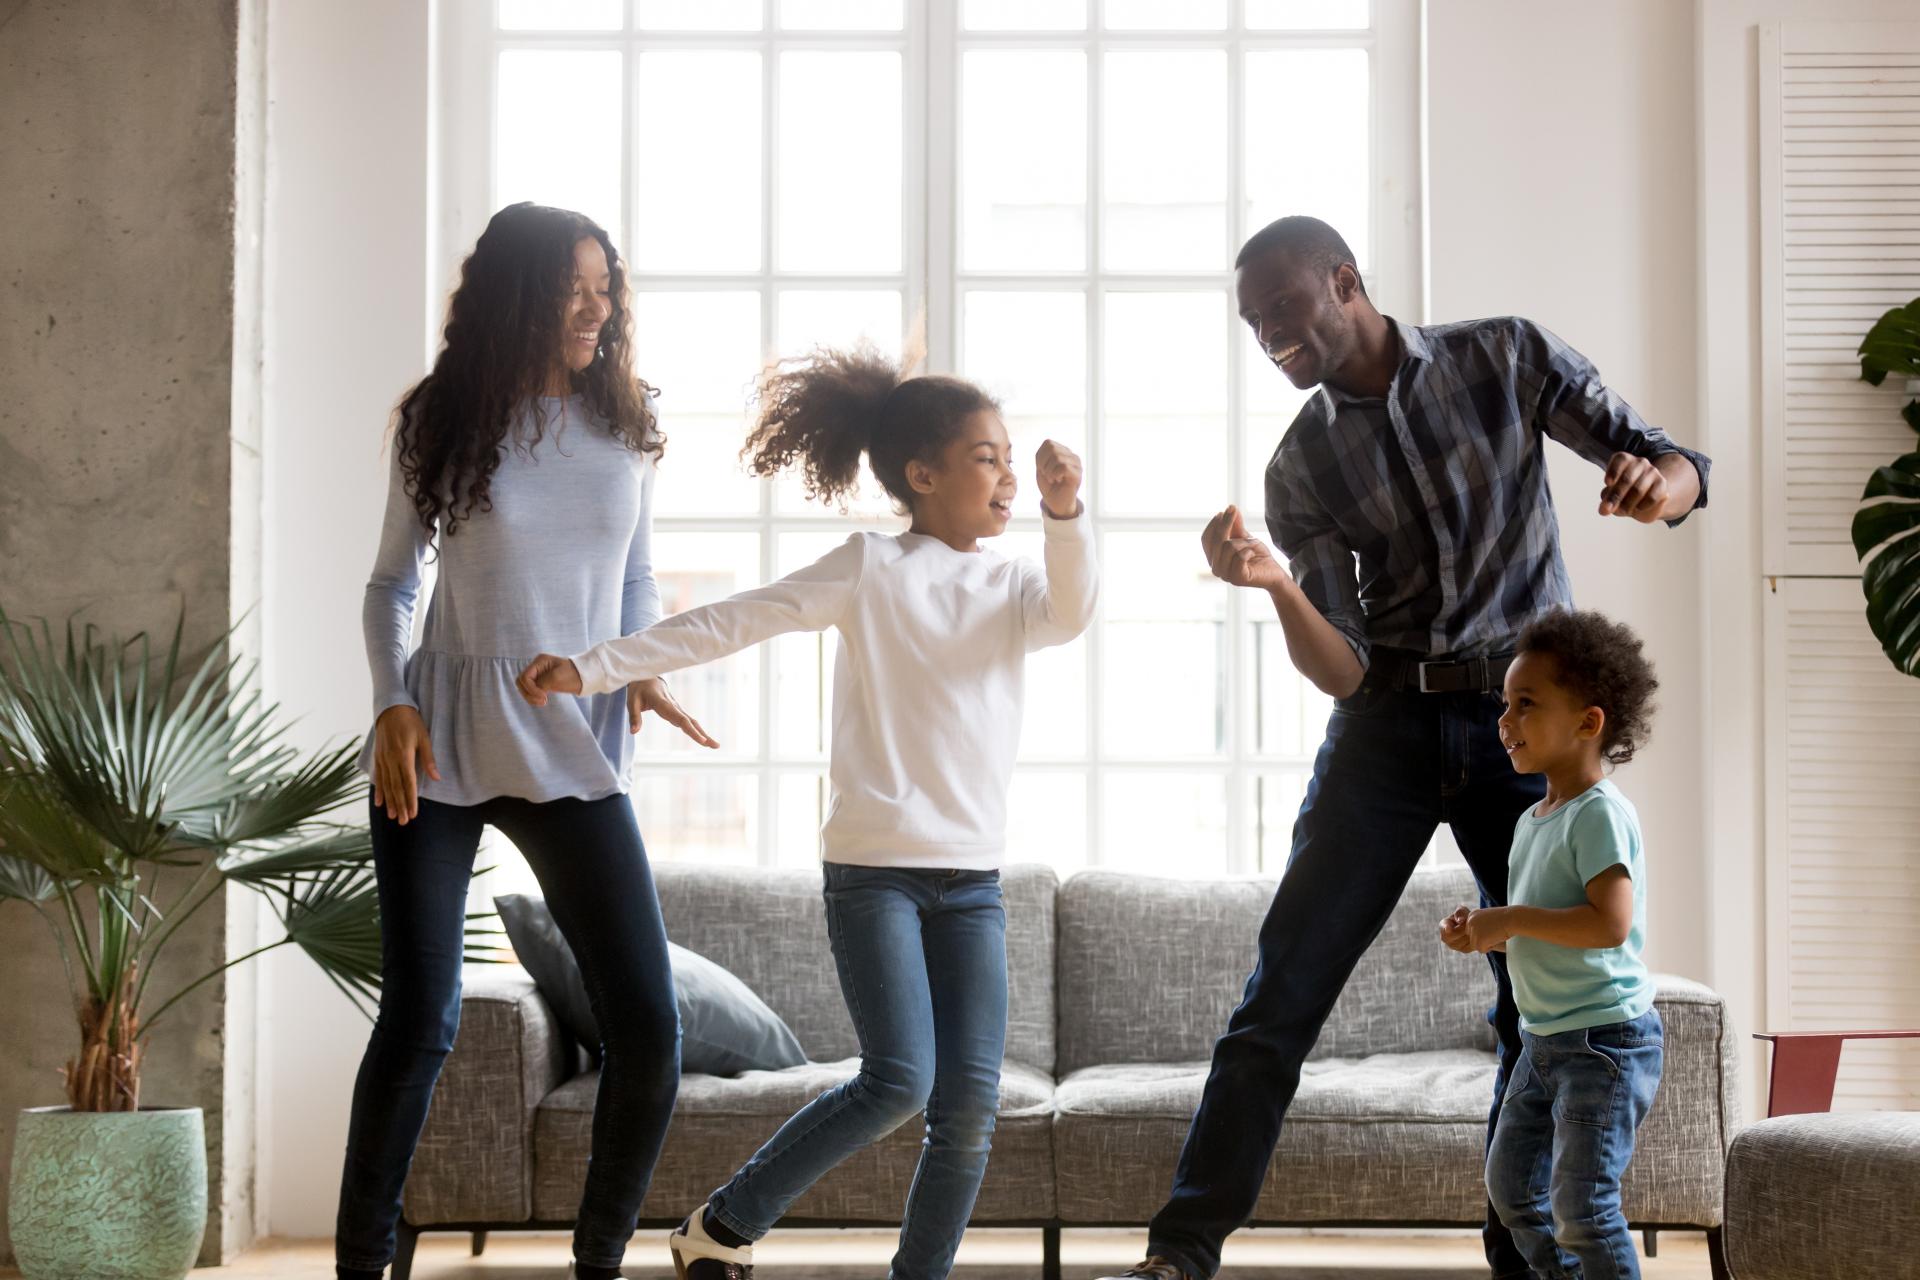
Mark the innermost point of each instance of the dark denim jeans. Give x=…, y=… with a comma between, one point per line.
x=1394, y=765
x=923, y=964
x=1565, y=1136
x=593, y=869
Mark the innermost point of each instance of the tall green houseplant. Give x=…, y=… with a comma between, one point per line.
x=134, y=786
x=1886, y=531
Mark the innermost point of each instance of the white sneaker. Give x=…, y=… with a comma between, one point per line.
x=698, y=1256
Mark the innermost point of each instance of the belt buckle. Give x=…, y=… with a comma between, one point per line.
x=1423, y=675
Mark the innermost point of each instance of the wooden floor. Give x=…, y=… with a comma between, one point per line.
x=986, y=1255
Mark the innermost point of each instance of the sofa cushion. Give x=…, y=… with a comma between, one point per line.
x=768, y=927
x=1129, y=994
x=724, y=1027
x=718, y=1122
x=1442, y=1085
x=1394, y=1137
x=1388, y=1138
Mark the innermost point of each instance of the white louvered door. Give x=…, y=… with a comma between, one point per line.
x=1840, y=244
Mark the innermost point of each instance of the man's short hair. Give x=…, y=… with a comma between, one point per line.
x=1311, y=240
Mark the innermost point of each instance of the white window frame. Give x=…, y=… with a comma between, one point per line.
x=931, y=45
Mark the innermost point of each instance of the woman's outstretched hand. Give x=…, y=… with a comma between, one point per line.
x=652, y=695
x=401, y=752
x=548, y=673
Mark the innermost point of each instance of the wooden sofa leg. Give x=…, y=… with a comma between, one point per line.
x=479, y=1243
x=406, y=1237
x=1049, y=1253
x=1716, y=1255
x=1650, y=1242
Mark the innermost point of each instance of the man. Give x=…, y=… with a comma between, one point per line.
x=1421, y=465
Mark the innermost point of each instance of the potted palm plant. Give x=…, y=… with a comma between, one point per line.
x=134, y=786
x=1886, y=532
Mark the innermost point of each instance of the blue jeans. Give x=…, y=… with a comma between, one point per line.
x=1394, y=765
x=593, y=869
x=922, y=957
x=1565, y=1136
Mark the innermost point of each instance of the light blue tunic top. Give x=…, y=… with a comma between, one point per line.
x=560, y=563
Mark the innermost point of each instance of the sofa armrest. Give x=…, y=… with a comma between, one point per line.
x=1805, y=1065
x=475, y=1158
x=1704, y=1012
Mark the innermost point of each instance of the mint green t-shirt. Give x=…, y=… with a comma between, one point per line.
x=1568, y=988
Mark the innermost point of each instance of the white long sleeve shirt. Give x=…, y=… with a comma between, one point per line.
x=927, y=683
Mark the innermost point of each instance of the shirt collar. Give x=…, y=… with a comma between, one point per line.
x=1413, y=346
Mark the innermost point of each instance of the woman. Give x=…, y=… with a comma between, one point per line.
x=525, y=462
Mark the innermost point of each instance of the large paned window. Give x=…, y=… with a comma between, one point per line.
x=1052, y=192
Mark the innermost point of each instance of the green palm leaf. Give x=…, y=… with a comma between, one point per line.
x=334, y=917
x=318, y=849
x=24, y=879
x=1886, y=535
x=37, y=828
x=283, y=804
x=1892, y=345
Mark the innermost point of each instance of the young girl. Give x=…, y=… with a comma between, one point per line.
x=1578, y=700
x=530, y=438
x=926, y=719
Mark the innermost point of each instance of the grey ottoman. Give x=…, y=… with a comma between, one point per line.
x=1816, y=1197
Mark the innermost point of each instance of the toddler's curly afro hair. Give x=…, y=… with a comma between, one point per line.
x=1604, y=664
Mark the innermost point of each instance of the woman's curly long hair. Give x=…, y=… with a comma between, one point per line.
x=1604, y=664
x=819, y=413
x=502, y=340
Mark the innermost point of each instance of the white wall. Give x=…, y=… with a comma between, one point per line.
x=1729, y=347
x=1561, y=182
x=346, y=332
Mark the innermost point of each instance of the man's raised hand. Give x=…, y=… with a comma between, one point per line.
x=1236, y=558
x=1634, y=488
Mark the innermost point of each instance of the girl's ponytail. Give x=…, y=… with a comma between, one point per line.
x=817, y=414
x=821, y=412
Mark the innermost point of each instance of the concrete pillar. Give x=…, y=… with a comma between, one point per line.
x=130, y=190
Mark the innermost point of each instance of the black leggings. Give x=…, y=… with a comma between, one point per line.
x=593, y=869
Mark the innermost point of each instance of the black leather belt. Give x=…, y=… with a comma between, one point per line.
x=1403, y=670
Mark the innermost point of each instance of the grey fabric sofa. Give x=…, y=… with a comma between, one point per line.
x=1815, y=1196
x=1118, y=985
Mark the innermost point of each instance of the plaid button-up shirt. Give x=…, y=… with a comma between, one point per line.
x=1422, y=521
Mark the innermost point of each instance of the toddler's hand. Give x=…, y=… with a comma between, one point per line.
x=548, y=673
x=1487, y=929
x=1453, y=929
x=1057, y=468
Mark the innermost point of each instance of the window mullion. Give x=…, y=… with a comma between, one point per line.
x=769, y=785
x=939, y=182
x=1240, y=855
x=1096, y=462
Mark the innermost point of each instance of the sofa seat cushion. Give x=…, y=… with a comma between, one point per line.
x=1387, y=1138
x=1438, y=1085
x=719, y=1121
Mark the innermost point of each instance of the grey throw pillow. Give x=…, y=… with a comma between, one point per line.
x=724, y=1028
